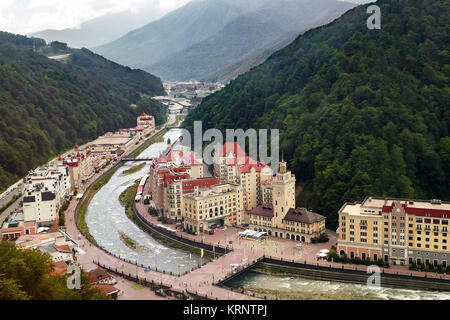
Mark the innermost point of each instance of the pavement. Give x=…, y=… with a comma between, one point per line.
x=5, y=199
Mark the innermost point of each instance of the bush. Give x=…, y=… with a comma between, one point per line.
x=320, y=239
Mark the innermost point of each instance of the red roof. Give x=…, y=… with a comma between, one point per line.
x=234, y=148
x=64, y=248
x=247, y=167
x=421, y=212
x=188, y=186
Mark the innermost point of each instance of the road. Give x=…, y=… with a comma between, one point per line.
x=6, y=198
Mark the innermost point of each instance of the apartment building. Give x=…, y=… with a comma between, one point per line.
x=44, y=192
x=399, y=231
x=79, y=162
x=232, y=165
x=207, y=209
x=146, y=122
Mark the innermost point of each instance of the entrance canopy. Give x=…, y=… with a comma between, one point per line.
x=252, y=234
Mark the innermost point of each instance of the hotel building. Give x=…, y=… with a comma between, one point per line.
x=281, y=218
x=399, y=231
x=206, y=209
x=232, y=165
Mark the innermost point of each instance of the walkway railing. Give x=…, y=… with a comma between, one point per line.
x=213, y=249
x=155, y=285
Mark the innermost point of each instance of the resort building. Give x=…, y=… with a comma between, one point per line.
x=281, y=218
x=232, y=165
x=399, y=231
x=207, y=209
x=172, y=178
x=146, y=122
x=79, y=163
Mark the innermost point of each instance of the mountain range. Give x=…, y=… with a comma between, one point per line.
x=217, y=39
x=48, y=105
x=361, y=112
x=103, y=29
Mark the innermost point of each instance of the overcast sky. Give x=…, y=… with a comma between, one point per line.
x=26, y=16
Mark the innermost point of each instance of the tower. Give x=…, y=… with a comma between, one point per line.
x=283, y=194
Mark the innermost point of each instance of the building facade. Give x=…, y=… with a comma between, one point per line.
x=281, y=218
x=207, y=209
x=399, y=231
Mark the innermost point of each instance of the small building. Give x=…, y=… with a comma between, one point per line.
x=104, y=282
x=302, y=225
x=16, y=227
x=261, y=218
x=100, y=276
x=57, y=244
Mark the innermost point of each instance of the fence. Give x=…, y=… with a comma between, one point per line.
x=168, y=290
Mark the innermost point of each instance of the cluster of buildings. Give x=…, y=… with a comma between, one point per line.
x=398, y=231
x=188, y=94
x=242, y=191
x=46, y=188
x=58, y=245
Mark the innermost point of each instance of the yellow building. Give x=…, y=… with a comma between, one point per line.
x=232, y=165
x=399, y=231
x=280, y=218
x=207, y=209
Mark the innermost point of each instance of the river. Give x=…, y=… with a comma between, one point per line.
x=107, y=220
x=296, y=288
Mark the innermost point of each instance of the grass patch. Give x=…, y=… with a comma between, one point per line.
x=155, y=139
x=179, y=119
x=137, y=287
x=133, y=169
x=126, y=198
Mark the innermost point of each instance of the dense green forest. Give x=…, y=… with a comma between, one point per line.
x=47, y=106
x=361, y=112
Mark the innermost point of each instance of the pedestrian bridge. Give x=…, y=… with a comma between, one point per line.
x=136, y=159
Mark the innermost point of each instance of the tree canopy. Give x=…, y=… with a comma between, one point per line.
x=27, y=275
x=47, y=106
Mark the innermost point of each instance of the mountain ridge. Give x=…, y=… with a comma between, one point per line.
x=47, y=106
x=203, y=38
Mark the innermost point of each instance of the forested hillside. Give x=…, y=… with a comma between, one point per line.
x=361, y=112
x=47, y=106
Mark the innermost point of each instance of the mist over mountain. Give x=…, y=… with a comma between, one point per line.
x=104, y=29
x=202, y=39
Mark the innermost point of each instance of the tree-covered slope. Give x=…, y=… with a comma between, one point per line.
x=47, y=106
x=361, y=112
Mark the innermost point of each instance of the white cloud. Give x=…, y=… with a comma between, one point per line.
x=26, y=16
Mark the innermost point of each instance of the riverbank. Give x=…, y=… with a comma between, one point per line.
x=275, y=267
x=81, y=209
x=133, y=169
